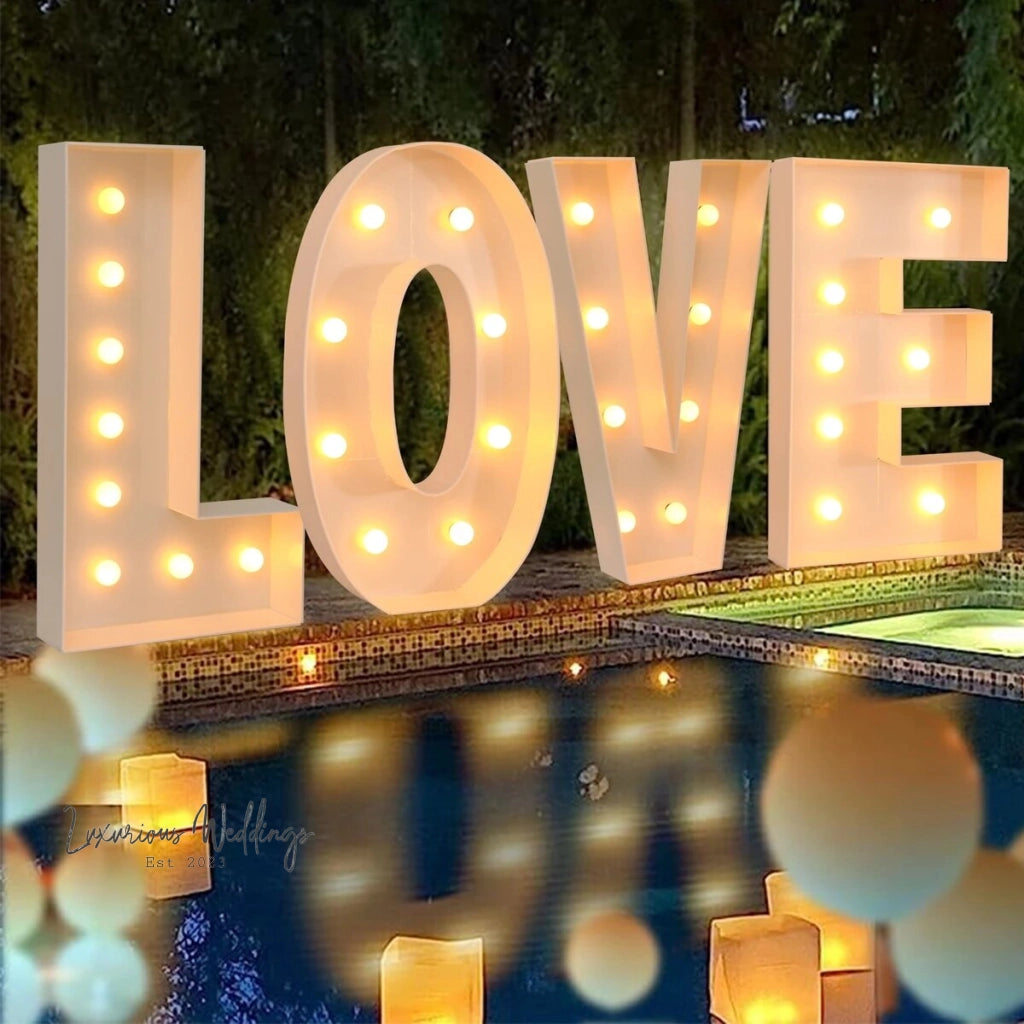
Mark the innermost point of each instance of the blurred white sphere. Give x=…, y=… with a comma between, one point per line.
x=963, y=954
x=100, y=889
x=112, y=692
x=873, y=806
x=22, y=988
x=42, y=747
x=612, y=960
x=100, y=979
x=24, y=897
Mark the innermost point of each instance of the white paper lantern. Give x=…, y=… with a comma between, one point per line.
x=963, y=954
x=22, y=988
x=612, y=960
x=100, y=979
x=100, y=889
x=42, y=747
x=874, y=807
x=24, y=898
x=112, y=691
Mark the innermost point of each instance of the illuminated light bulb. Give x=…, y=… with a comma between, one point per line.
x=308, y=663
x=110, y=200
x=707, y=215
x=700, y=313
x=821, y=658
x=110, y=274
x=108, y=494
x=180, y=566
x=831, y=361
x=461, y=533
x=110, y=425
x=334, y=329
x=931, y=503
x=375, y=541
x=596, y=318
x=830, y=427
x=581, y=213
x=831, y=215
x=250, y=559
x=461, y=218
x=498, y=436
x=110, y=351
x=574, y=669
x=940, y=218
x=493, y=325
x=833, y=293
x=675, y=512
x=107, y=573
x=614, y=416
x=688, y=411
x=829, y=509
x=665, y=678
x=333, y=446
x=917, y=358
x=372, y=216
x=770, y=1011
x=627, y=521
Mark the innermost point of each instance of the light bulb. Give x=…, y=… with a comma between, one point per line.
x=461, y=218
x=675, y=512
x=940, y=218
x=917, y=358
x=107, y=494
x=627, y=521
x=333, y=446
x=831, y=361
x=831, y=215
x=581, y=213
x=498, y=436
x=821, y=658
x=700, y=313
x=461, y=533
x=372, y=216
x=596, y=318
x=107, y=573
x=110, y=351
x=614, y=416
x=180, y=566
x=665, y=678
x=308, y=663
x=707, y=215
x=110, y=200
x=334, y=329
x=493, y=325
x=931, y=503
x=833, y=293
x=375, y=541
x=829, y=509
x=688, y=411
x=110, y=425
x=830, y=427
x=250, y=559
x=574, y=669
x=110, y=274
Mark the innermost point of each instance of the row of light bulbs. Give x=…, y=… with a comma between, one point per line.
x=179, y=565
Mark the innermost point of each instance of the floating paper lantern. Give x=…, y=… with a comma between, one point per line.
x=24, y=899
x=100, y=978
x=612, y=960
x=432, y=981
x=22, y=990
x=42, y=747
x=112, y=692
x=100, y=889
x=962, y=955
x=873, y=807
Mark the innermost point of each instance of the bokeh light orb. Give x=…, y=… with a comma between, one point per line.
x=873, y=806
x=612, y=960
x=42, y=747
x=963, y=954
x=100, y=978
x=24, y=898
x=113, y=692
x=100, y=889
x=22, y=988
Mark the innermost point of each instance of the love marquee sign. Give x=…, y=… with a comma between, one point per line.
x=128, y=553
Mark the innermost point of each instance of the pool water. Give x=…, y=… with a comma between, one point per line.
x=511, y=812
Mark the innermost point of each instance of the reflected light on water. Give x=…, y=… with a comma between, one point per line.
x=708, y=809
x=608, y=825
x=507, y=853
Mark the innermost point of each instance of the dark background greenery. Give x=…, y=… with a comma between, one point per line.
x=282, y=93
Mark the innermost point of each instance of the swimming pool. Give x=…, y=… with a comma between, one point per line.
x=511, y=812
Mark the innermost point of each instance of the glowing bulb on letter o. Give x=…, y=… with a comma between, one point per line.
x=461, y=218
x=334, y=329
x=831, y=215
x=333, y=446
x=375, y=541
x=110, y=274
x=493, y=325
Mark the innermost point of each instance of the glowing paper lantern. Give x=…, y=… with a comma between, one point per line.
x=430, y=980
x=158, y=240
x=612, y=960
x=24, y=898
x=42, y=747
x=840, y=278
x=100, y=889
x=764, y=970
x=100, y=978
x=848, y=997
x=112, y=692
x=874, y=807
x=962, y=955
x=22, y=988
x=647, y=462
